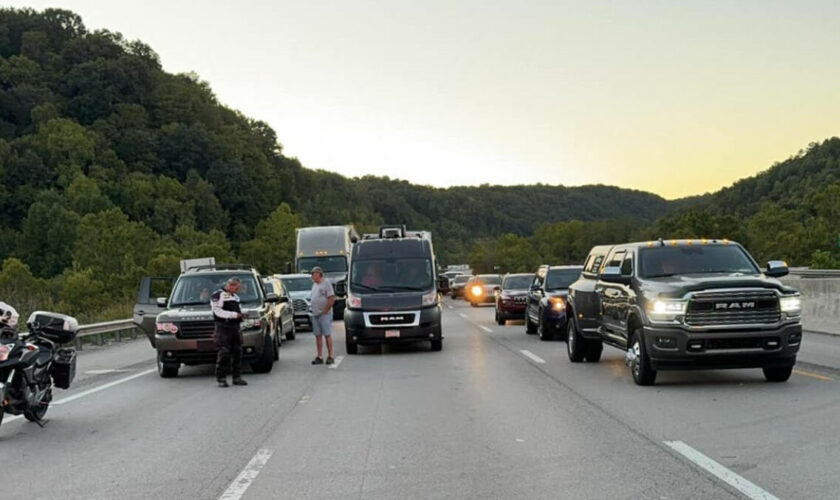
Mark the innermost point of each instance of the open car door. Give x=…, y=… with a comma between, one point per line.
x=148, y=306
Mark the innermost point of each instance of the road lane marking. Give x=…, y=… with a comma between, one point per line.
x=533, y=357
x=239, y=485
x=450, y=307
x=462, y=315
x=813, y=375
x=485, y=329
x=336, y=362
x=102, y=372
x=749, y=489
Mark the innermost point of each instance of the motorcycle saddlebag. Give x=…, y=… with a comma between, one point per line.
x=59, y=328
x=64, y=368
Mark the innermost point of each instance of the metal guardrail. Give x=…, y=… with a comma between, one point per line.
x=117, y=327
x=815, y=273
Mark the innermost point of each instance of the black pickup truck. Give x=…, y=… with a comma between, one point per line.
x=684, y=304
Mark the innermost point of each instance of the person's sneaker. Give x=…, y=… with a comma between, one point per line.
x=223, y=383
x=317, y=361
x=239, y=381
x=330, y=361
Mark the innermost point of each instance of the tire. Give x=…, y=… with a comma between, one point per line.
x=544, y=336
x=574, y=343
x=593, y=351
x=640, y=367
x=530, y=328
x=437, y=345
x=266, y=361
x=34, y=415
x=501, y=321
x=291, y=334
x=277, y=344
x=777, y=374
x=351, y=347
x=167, y=370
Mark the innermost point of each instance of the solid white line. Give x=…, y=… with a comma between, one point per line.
x=462, y=315
x=749, y=489
x=239, y=485
x=533, y=357
x=336, y=362
x=485, y=328
x=102, y=372
x=450, y=307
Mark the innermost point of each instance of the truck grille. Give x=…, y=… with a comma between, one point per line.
x=197, y=330
x=733, y=308
x=300, y=305
x=388, y=319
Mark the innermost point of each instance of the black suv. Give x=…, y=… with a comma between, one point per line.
x=684, y=304
x=545, y=312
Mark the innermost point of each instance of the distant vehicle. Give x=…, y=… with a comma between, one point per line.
x=685, y=304
x=482, y=289
x=512, y=300
x=458, y=269
x=299, y=287
x=546, y=303
x=329, y=248
x=181, y=328
x=282, y=315
x=392, y=295
x=457, y=286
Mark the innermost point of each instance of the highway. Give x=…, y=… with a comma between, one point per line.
x=496, y=414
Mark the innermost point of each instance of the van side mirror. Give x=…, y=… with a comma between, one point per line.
x=161, y=301
x=777, y=269
x=613, y=275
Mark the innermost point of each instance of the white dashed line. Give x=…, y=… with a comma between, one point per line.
x=485, y=328
x=533, y=357
x=462, y=315
x=450, y=307
x=749, y=489
x=239, y=485
x=336, y=362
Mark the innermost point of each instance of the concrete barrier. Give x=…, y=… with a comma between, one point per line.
x=820, y=302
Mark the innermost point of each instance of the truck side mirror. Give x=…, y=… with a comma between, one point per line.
x=777, y=269
x=161, y=301
x=613, y=275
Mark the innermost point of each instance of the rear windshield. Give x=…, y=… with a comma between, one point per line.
x=302, y=284
x=517, y=282
x=196, y=289
x=664, y=261
x=490, y=279
x=561, y=279
x=391, y=275
x=463, y=278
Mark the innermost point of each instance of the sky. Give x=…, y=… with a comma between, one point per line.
x=674, y=97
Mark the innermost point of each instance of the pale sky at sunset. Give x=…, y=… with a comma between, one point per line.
x=673, y=97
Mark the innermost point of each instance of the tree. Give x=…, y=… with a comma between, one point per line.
x=49, y=235
x=21, y=289
x=274, y=244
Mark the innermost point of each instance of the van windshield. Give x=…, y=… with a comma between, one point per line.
x=196, y=289
x=391, y=275
x=334, y=264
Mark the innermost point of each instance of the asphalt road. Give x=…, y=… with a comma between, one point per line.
x=496, y=414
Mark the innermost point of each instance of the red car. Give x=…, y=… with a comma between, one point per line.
x=512, y=299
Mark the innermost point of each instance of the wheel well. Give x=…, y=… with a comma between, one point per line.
x=633, y=323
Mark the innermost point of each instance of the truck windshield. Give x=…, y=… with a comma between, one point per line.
x=196, y=289
x=561, y=279
x=659, y=262
x=490, y=279
x=302, y=284
x=517, y=282
x=334, y=264
x=391, y=275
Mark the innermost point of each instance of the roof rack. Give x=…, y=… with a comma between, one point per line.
x=222, y=267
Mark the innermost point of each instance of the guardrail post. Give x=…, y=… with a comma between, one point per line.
x=99, y=339
x=78, y=343
x=118, y=336
x=134, y=333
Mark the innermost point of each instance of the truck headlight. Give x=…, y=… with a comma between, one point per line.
x=791, y=305
x=557, y=303
x=666, y=310
x=430, y=298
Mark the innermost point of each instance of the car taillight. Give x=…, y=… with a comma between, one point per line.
x=4, y=352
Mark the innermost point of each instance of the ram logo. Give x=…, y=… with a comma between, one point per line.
x=735, y=305
x=391, y=319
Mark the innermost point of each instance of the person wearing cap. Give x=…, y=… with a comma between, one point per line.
x=321, y=302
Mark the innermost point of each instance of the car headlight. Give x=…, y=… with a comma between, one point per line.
x=667, y=310
x=791, y=305
x=249, y=323
x=430, y=298
x=166, y=328
x=477, y=291
x=354, y=300
x=557, y=303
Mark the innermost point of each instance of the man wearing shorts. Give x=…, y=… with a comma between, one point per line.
x=321, y=302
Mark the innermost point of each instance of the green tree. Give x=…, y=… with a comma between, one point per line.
x=49, y=235
x=274, y=244
x=21, y=289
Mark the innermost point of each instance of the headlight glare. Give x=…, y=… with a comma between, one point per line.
x=791, y=305
x=667, y=310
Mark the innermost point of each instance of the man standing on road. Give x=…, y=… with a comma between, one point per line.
x=227, y=316
x=321, y=302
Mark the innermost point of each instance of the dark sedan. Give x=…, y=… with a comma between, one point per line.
x=513, y=297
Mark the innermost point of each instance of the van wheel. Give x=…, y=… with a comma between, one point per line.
x=574, y=343
x=437, y=345
x=351, y=347
x=779, y=374
x=266, y=361
x=639, y=361
x=167, y=370
x=594, y=348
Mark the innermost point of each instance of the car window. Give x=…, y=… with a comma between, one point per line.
x=627, y=265
x=615, y=259
x=594, y=264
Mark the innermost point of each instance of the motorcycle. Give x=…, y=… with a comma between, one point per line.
x=32, y=363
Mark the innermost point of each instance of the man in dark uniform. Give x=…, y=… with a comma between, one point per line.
x=228, y=315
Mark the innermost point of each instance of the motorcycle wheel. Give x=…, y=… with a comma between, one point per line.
x=36, y=414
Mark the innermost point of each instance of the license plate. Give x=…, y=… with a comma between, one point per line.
x=206, y=345
x=392, y=334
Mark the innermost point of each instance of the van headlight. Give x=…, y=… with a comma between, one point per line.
x=430, y=298
x=791, y=305
x=666, y=310
x=354, y=301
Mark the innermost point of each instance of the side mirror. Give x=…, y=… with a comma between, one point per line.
x=613, y=275
x=283, y=300
x=776, y=269
x=272, y=298
x=161, y=301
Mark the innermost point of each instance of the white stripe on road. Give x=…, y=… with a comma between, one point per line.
x=749, y=489
x=462, y=315
x=485, y=328
x=239, y=485
x=533, y=357
x=450, y=307
x=336, y=362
